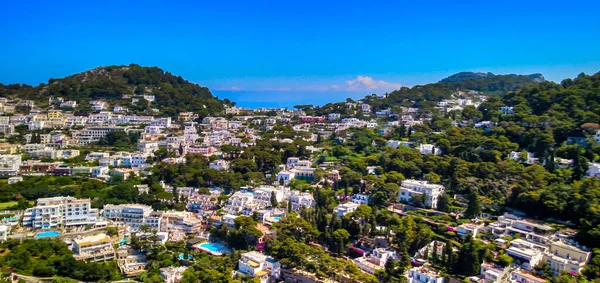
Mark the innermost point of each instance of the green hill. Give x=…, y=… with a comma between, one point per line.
x=173, y=94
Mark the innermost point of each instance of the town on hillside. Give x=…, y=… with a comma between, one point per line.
x=468, y=187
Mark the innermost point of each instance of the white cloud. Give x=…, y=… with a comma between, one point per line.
x=368, y=83
x=231, y=88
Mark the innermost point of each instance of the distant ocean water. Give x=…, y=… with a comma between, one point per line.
x=286, y=99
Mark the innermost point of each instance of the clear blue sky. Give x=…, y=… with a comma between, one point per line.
x=292, y=50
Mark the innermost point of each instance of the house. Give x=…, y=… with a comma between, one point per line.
x=492, y=273
x=593, y=170
x=360, y=199
x=259, y=266
x=429, y=149
x=376, y=261
x=285, y=176
x=424, y=274
x=333, y=116
x=345, y=208
x=431, y=192
x=521, y=276
x=505, y=110
x=130, y=262
x=93, y=248
x=301, y=200
x=100, y=171
x=311, y=119
x=172, y=274
x=469, y=229
x=68, y=104
x=16, y=179
x=366, y=108
x=524, y=253
x=219, y=165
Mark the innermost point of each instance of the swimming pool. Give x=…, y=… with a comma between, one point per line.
x=47, y=234
x=182, y=256
x=214, y=248
x=10, y=219
x=277, y=219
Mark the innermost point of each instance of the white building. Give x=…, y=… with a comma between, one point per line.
x=424, y=274
x=286, y=176
x=219, y=164
x=172, y=274
x=238, y=201
x=10, y=164
x=301, y=200
x=566, y=257
x=93, y=248
x=259, y=266
x=429, y=149
x=527, y=254
x=49, y=213
x=333, y=116
x=345, y=208
x=593, y=170
x=431, y=192
x=520, y=276
x=132, y=215
x=469, y=229
x=360, y=199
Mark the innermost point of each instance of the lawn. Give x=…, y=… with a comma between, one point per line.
x=6, y=205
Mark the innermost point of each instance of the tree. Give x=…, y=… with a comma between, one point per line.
x=505, y=260
x=418, y=200
x=473, y=206
x=432, y=177
x=468, y=262
x=274, y=202
x=340, y=239
x=444, y=203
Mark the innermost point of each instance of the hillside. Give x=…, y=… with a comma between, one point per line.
x=428, y=95
x=465, y=76
x=173, y=94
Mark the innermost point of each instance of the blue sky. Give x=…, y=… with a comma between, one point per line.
x=274, y=51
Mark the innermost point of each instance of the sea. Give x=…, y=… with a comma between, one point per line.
x=284, y=99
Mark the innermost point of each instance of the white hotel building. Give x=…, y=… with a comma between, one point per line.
x=50, y=213
x=432, y=192
x=132, y=215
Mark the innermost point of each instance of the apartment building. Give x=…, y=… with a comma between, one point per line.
x=183, y=221
x=525, y=253
x=132, y=215
x=93, y=248
x=259, y=266
x=49, y=213
x=567, y=257
x=431, y=192
x=238, y=201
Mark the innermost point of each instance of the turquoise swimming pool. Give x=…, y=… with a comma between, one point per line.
x=47, y=234
x=277, y=219
x=10, y=219
x=215, y=248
